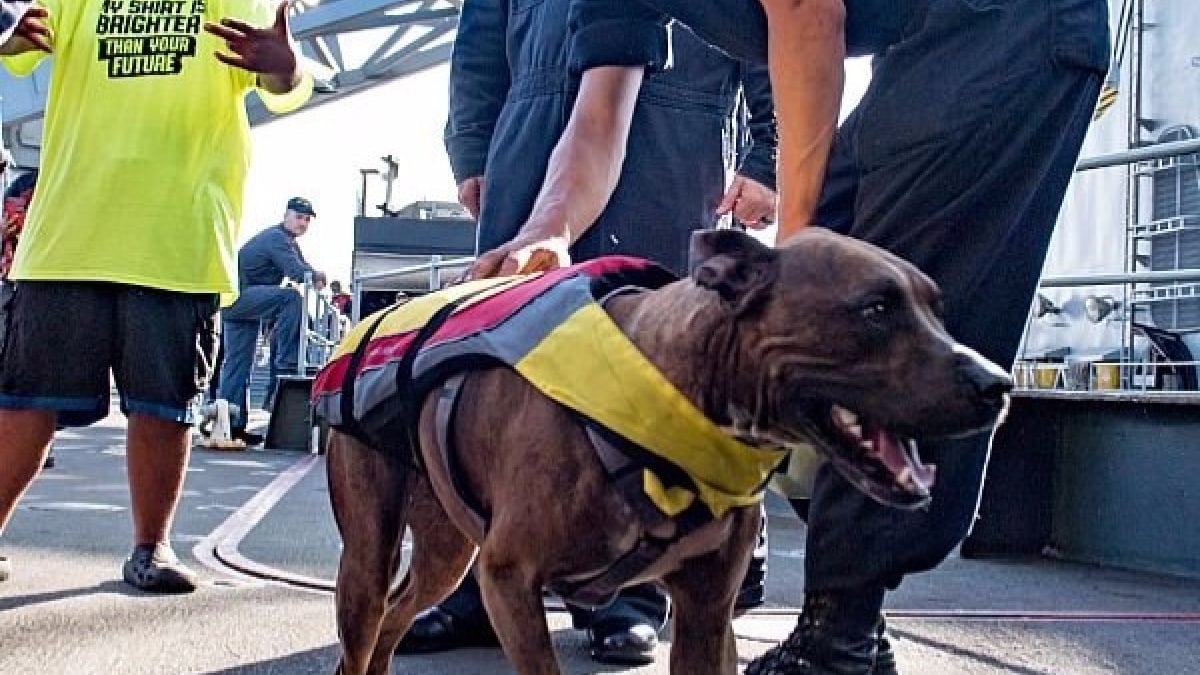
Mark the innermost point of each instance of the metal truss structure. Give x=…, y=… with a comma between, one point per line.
x=350, y=45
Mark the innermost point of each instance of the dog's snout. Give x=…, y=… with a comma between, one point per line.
x=988, y=380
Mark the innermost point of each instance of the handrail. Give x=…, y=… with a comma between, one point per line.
x=1107, y=279
x=308, y=336
x=1150, y=152
x=434, y=267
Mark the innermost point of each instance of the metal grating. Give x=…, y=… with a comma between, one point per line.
x=1175, y=244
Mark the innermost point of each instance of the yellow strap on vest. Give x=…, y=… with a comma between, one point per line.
x=589, y=365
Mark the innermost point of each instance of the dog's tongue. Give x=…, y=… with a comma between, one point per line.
x=903, y=462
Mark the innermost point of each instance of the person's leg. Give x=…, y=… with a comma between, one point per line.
x=25, y=437
x=238, y=339
x=19, y=431
x=49, y=362
x=285, y=338
x=156, y=461
x=967, y=186
x=175, y=331
x=459, y=621
x=24, y=443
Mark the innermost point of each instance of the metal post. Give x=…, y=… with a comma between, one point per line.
x=435, y=272
x=356, y=301
x=302, y=356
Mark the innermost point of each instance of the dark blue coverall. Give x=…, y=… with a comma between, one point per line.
x=957, y=159
x=263, y=263
x=511, y=96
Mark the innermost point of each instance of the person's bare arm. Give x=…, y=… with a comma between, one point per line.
x=580, y=179
x=806, y=50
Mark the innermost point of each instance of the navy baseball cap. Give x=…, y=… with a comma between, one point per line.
x=301, y=205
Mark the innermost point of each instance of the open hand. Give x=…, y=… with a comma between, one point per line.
x=266, y=51
x=32, y=32
x=750, y=201
x=525, y=254
x=470, y=194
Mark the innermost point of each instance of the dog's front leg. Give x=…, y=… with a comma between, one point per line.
x=513, y=598
x=704, y=590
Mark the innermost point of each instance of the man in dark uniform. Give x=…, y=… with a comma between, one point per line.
x=511, y=94
x=957, y=159
x=264, y=261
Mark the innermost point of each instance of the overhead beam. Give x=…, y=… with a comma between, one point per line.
x=351, y=45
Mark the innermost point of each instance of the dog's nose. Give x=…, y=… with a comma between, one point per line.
x=989, y=381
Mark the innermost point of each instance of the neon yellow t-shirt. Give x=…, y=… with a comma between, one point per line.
x=145, y=146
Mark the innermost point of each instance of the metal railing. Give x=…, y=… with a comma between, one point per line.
x=436, y=265
x=321, y=331
x=1145, y=377
x=1125, y=374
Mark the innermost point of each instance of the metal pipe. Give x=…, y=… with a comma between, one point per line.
x=356, y=301
x=302, y=355
x=435, y=273
x=1150, y=152
x=1162, y=277
x=423, y=267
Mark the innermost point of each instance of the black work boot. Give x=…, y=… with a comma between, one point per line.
x=460, y=621
x=835, y=635
x=885, y=656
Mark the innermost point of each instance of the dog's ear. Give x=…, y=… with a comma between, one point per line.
x=735, y=265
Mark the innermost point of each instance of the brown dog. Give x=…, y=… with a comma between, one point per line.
x=825, y=341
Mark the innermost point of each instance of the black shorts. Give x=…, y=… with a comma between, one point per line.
x=66, y=342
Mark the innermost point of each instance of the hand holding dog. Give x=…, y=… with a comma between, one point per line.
x=534, y=249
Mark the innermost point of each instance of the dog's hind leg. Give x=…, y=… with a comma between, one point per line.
x=369, y=493
x=513, y=597
x=441, y=556
x=704, y=590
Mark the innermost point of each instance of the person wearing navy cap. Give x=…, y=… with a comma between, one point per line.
x=263, y=263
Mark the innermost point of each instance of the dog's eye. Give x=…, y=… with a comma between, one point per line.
x=875, y=312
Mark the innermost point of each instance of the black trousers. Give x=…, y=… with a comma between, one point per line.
x=957, y=159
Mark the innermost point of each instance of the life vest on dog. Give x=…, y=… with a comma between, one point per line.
x=673, y=462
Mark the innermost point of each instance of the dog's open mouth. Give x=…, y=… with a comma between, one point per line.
x=881, y=463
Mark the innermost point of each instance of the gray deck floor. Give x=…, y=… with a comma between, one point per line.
x=65, y=611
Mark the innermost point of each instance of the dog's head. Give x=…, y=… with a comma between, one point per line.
x=840, y=343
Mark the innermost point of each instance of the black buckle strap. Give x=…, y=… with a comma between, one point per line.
x=350, y=423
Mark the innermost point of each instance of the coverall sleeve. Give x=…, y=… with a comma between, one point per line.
x=617, y=33
x=286, y=255
x=479, y=83
x=760, y=159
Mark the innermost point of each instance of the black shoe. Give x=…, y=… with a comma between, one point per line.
x=835, y=635
x=5, y=569
x=436, y=630
x=155, y=569
x=50, y=462
x=623, y=641
x=250, y=438
x=885, y=656
x=750, y=596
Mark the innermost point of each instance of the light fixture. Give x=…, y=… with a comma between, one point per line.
x=1099, y=307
